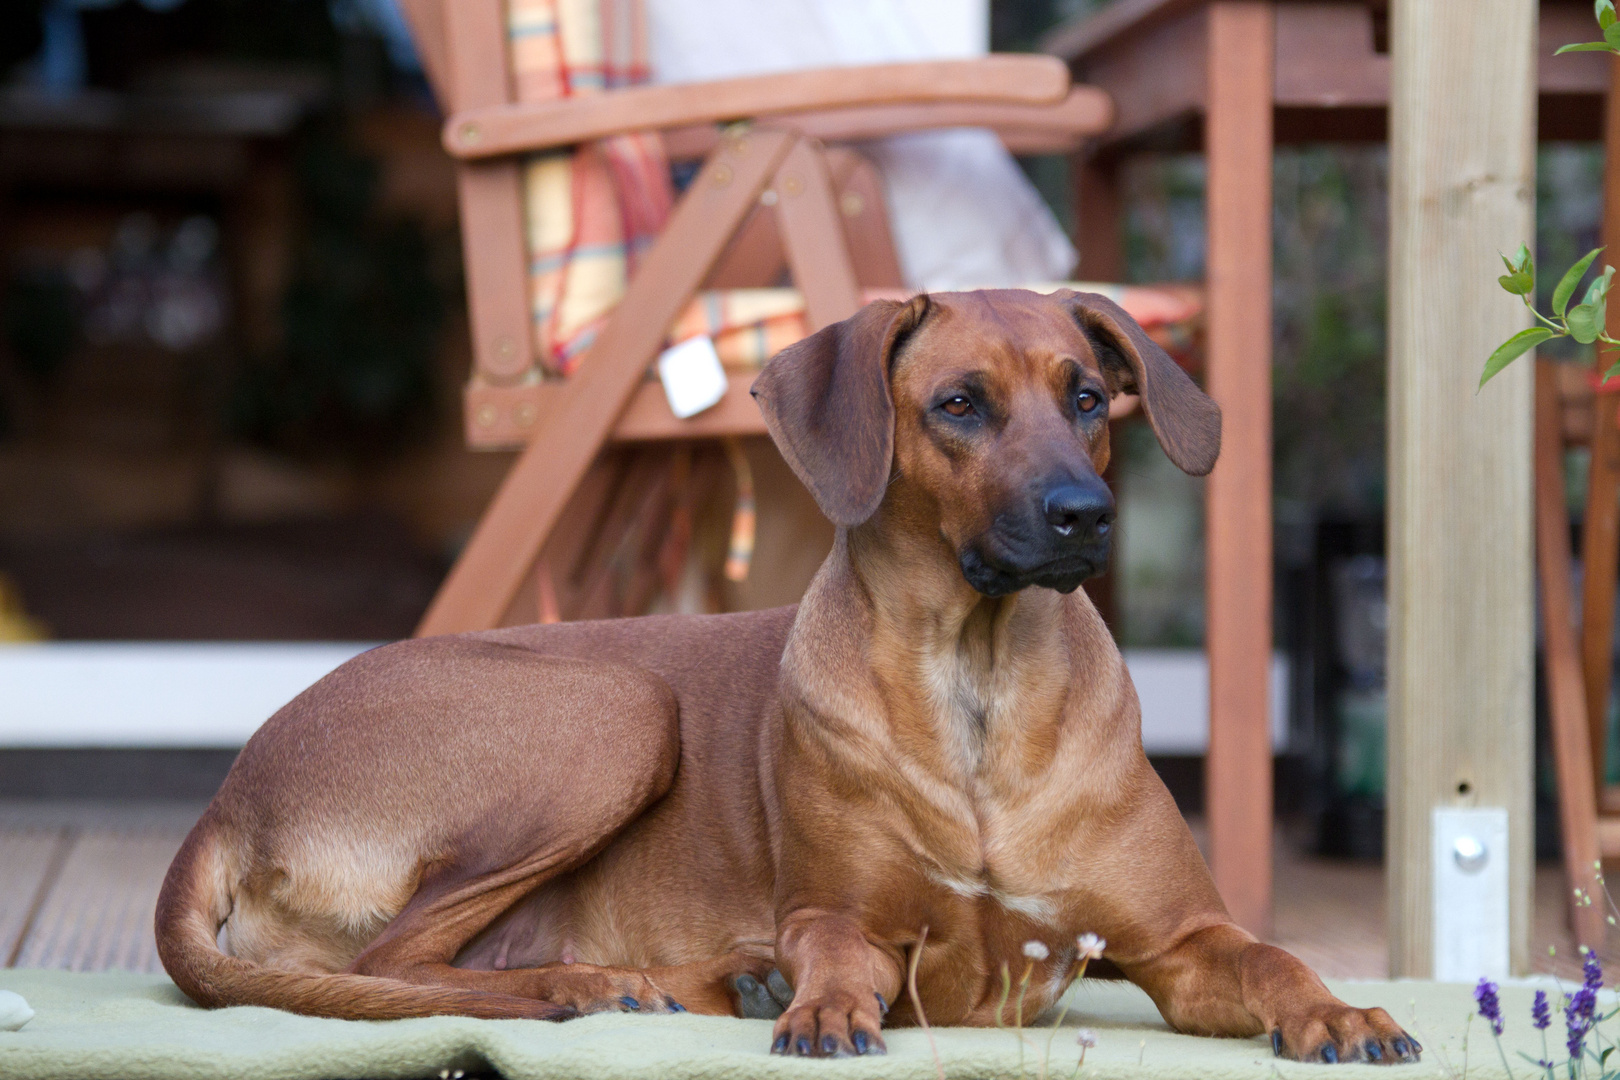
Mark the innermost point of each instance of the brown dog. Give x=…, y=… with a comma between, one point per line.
x=665, y=812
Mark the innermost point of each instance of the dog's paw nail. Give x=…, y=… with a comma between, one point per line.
x=675, y=1006
x=859, y=1039
x=629, y=1002
x=830, y=1047
x=1276, y=1042
x=883, y=1006
x=1373, y=1051
x=747, y=984
x=802, y=1047
x=1329, y=1054
x=780, y=1045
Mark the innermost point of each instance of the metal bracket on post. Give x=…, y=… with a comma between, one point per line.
x=1470, y=873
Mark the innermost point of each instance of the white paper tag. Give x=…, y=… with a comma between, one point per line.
x=692, y=376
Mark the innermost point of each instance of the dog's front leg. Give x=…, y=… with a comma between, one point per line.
x=842, y=985
x=1220, y=981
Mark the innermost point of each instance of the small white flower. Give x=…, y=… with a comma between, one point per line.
x=1091, y=946
x=1035, y=950
x=1086, y=1038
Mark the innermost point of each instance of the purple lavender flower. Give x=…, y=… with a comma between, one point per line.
x=1489, y=1006
x=1591, y=971
x=1580, y=1009
x=1540, y=1013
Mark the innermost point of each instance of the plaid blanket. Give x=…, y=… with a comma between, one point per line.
x=591, y=210
x=749, y=326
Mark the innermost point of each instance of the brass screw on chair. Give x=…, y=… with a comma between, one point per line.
x=851, y=204
x=722, y=176
x=471, y=133
x=485, y=416
x=768, y=197
x=504, y=346
x=792, y=185
x=524, y=415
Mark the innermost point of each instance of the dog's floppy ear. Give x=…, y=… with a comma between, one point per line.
x=827, y=404
x=1186, y=421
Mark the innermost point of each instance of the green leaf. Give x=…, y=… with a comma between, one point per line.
x=1604, y=10
x=1611, y=34
x=1513, y=348
x=1598, y=291
x=1585, y=46
x=1520, y=280
x=1612, y=372
x=1585, y=321
x=1519, y=284
x=1572, y=277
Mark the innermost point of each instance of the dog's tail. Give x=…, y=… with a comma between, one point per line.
x=194, y=903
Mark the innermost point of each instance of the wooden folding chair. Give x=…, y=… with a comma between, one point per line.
x=762, y=140
x=1568, y=413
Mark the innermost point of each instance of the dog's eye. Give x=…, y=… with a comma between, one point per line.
x=1087, y=401
x=957, y=406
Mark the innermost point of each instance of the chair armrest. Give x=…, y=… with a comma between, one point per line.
x=510, y=129
x=1050, y=129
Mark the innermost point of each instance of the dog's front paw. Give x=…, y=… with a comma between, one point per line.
x=1338, y=1032
x=837, y=1024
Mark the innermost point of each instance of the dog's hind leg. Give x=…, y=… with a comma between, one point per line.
x=423, y=790
x=420, y=942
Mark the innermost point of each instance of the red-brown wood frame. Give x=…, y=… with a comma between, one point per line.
x=1233, y=77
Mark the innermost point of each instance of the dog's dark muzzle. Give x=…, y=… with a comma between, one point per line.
x=1062, y=543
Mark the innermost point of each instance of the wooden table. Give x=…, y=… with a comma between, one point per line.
x=1233, y=78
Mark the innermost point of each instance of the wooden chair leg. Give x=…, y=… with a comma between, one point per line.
x=1577, y=796
x=1600, y=539
x=1600, y=558
x=530, y=501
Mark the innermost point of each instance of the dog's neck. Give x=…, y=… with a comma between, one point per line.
x=977, y=672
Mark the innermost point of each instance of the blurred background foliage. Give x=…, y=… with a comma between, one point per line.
x=360, y=318
x=348, y=374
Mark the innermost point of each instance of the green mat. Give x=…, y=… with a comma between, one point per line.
x=123, y=1026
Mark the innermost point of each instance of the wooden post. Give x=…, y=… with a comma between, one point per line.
x=1099, y=216
x=1099, y=235
x=1237, y=141
x=1461, y=645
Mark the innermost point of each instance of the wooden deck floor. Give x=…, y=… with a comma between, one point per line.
x=79, y=882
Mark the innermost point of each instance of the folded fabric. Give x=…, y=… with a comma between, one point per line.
x=749, y=326
x=125, y=1026
x=590, y=210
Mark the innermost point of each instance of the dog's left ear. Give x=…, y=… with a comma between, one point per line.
x=1186, y=421
x=827, y=404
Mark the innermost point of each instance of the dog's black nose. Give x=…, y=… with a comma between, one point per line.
x=1082, y=513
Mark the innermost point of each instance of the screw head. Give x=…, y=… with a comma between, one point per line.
x=1470, y=854
x=485, y=416
x=722, y=175
x=851, y=204
x=792, y=185
x=471, y=133
x=768, y=197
